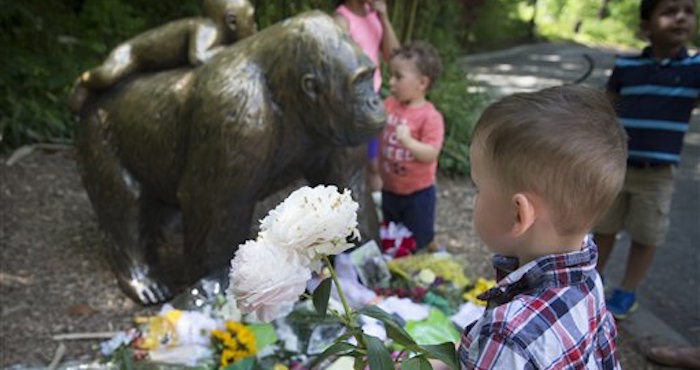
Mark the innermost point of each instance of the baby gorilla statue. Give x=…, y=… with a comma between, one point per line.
x=190, y=41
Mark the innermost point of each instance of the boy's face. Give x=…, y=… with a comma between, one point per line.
x=493, y=213
x=406, y=83
x=672, y=23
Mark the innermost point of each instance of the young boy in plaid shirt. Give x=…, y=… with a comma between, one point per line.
x=545, y=165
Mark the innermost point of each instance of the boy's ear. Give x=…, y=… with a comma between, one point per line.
x=525, y=216
x=424, y=82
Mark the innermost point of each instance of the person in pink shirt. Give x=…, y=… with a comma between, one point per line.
x=368, y=25
x=411, y=141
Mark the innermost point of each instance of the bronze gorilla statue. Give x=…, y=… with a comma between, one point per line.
x=292, y=101
x=190, y=40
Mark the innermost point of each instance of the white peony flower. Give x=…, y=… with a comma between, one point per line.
x=266, y=280
x=312, y=221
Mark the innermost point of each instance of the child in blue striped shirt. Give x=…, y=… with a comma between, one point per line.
x=654, y=94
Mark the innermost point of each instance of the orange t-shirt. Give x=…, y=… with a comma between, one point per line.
x=401, y=173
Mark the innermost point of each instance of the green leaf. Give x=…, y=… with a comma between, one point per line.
x=321, y=296
x=377, y=354
x=127, y=356
x=393, y=328
x=335, y=348
x=444, y=352
x=264, y=334
x=416, y=363
x=348, y=333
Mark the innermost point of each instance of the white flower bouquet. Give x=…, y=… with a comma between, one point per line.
x=270, y=273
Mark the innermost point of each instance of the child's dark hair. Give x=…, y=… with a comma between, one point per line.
x=646, y=7
x=425, y=56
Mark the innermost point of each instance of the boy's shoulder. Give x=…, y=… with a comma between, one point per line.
x=542, y=326
x=432, y=112
x=547, y=314
x=634, y=58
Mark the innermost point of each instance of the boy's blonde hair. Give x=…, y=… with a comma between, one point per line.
x=562, y=143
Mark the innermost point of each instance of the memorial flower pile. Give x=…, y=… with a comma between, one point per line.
x=268, y=277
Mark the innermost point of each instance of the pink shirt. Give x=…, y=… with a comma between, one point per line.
x=367, y=32
x=401, y=173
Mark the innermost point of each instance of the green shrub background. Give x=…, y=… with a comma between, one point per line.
x=45, y=45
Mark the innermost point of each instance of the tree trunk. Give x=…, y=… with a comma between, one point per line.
x=577, y=26
x=603, y=11
x=397, y=19
x=533, y=21
x=411, y=21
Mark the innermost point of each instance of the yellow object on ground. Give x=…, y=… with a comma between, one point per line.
x=443, y=266
x=481, y=286
x=238, y=342
x=160, y=330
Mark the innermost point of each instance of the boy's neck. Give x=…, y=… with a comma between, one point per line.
x=414, y=103
x=545, y=245
x=665, y=51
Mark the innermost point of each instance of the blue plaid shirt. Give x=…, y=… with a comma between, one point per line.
x=548, y=314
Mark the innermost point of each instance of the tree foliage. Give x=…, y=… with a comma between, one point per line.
x=46, y=44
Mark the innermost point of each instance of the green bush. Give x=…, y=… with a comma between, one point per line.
x=618, y=26
x=498, y=22
x=460, y=110
x=609, y=31
x=32, y=76
x=46, y=45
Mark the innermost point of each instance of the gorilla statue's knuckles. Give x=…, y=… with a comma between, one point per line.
x=213, y=140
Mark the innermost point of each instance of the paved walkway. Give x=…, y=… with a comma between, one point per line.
x=670, y=295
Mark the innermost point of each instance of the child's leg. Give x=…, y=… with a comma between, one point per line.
x=118, y=64
x=638, y=262
x=605, y=244
x=419, y=216
x=391, y=207
x=609, y=224
x=650, y=205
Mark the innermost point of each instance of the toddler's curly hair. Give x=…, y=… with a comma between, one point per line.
x=424, y=55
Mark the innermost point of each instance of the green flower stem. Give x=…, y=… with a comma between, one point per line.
x=338, y=316
x=333, y=312
x=348, y=312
